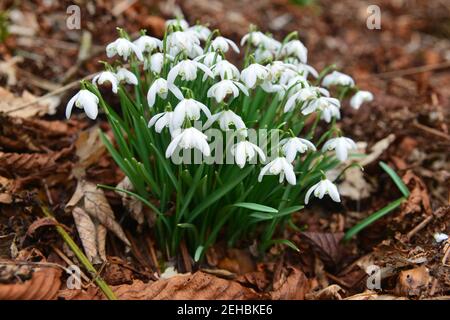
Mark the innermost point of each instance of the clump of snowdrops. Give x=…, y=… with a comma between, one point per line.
x=180, y=96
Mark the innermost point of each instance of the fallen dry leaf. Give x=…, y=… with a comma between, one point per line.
x=93, y=215
x=197, y=286
x=134, y=206
x=332, y=292
x=290, y=287
x=41, y=222
x=372, y=295
x=43, y=285
x=326, y=245
x=13, y=105
x=89, y=149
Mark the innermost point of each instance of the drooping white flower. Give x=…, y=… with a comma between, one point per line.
x=253, y=74
x=107, y=76
x=245, y=151
x=262, y=55
x=225, y=70
x=227, y=118
x=340, y=145
x=328, y=106
x=181, y=23
x=329, y=111
x=292, y=146
x=277, y=68
x=184, y=41
x=201, y=32
x=148, y=44
x=160, y=87
x=209, y=59
x=282, y=167
x=304, y=95
x=322, y=188
x=125, y=75
x=223, y=44
x=297, y=49
x=359, y=98
x=439, y=237
x=187, y=139
x=161, y=121
x=306, y=69
x=337, y=78
x=188, y=109
x=156, y=62
x=187, y=70
x=225, y=87
x=256, y=38
x=86, y=100
x=123, y=48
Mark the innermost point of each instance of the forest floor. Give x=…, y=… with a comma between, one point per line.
x=405, y=64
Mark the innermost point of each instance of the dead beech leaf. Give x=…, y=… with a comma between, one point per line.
x=290, y=287
x=418, y=197
x=86, y=232
x=43, y=285
x=354, y=186
x=372, y=295
x=133, y=205
x=412, y=282
x=91, y=293
x=326, y=245
x=89, y=149
x=332, y=292
x=41, y=222
x=100, y=217
x=24, y=164
x=197, y=286
x=12, y=105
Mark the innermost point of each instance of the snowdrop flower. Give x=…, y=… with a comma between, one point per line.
x=181, y=23
x=295, y=48
x=106, y=76
x=282, y=167
x=161, y=121
x=123, y=48
x=188, y=109
x=322, y=188
x=291, y=146
x=223, y=44
x=188, y=139
x=256, y=37
x=225, y=87
x=125, y=75
x=439, y=237
x=86, y=100
x=161, y=88
x=156, y=62
x=306, y=69
x=184, y=41
x=305, y=94
x=227, y=118
x=341, y=145
x=359, y=98
x=277, y=68
x=337, y=78
x=209, y=59
x=328, y=106
x=201, y=32
x=254, y=73
x=187, y=70
x=148, y=44
x=329, y=111
x=245, y=151
x=225, y=70
x=262, y=54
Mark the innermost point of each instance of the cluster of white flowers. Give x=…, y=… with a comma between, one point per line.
x=279, y=68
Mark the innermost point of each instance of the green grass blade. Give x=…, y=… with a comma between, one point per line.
x=372, y=218
x=397, y=180
x=256, y=207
